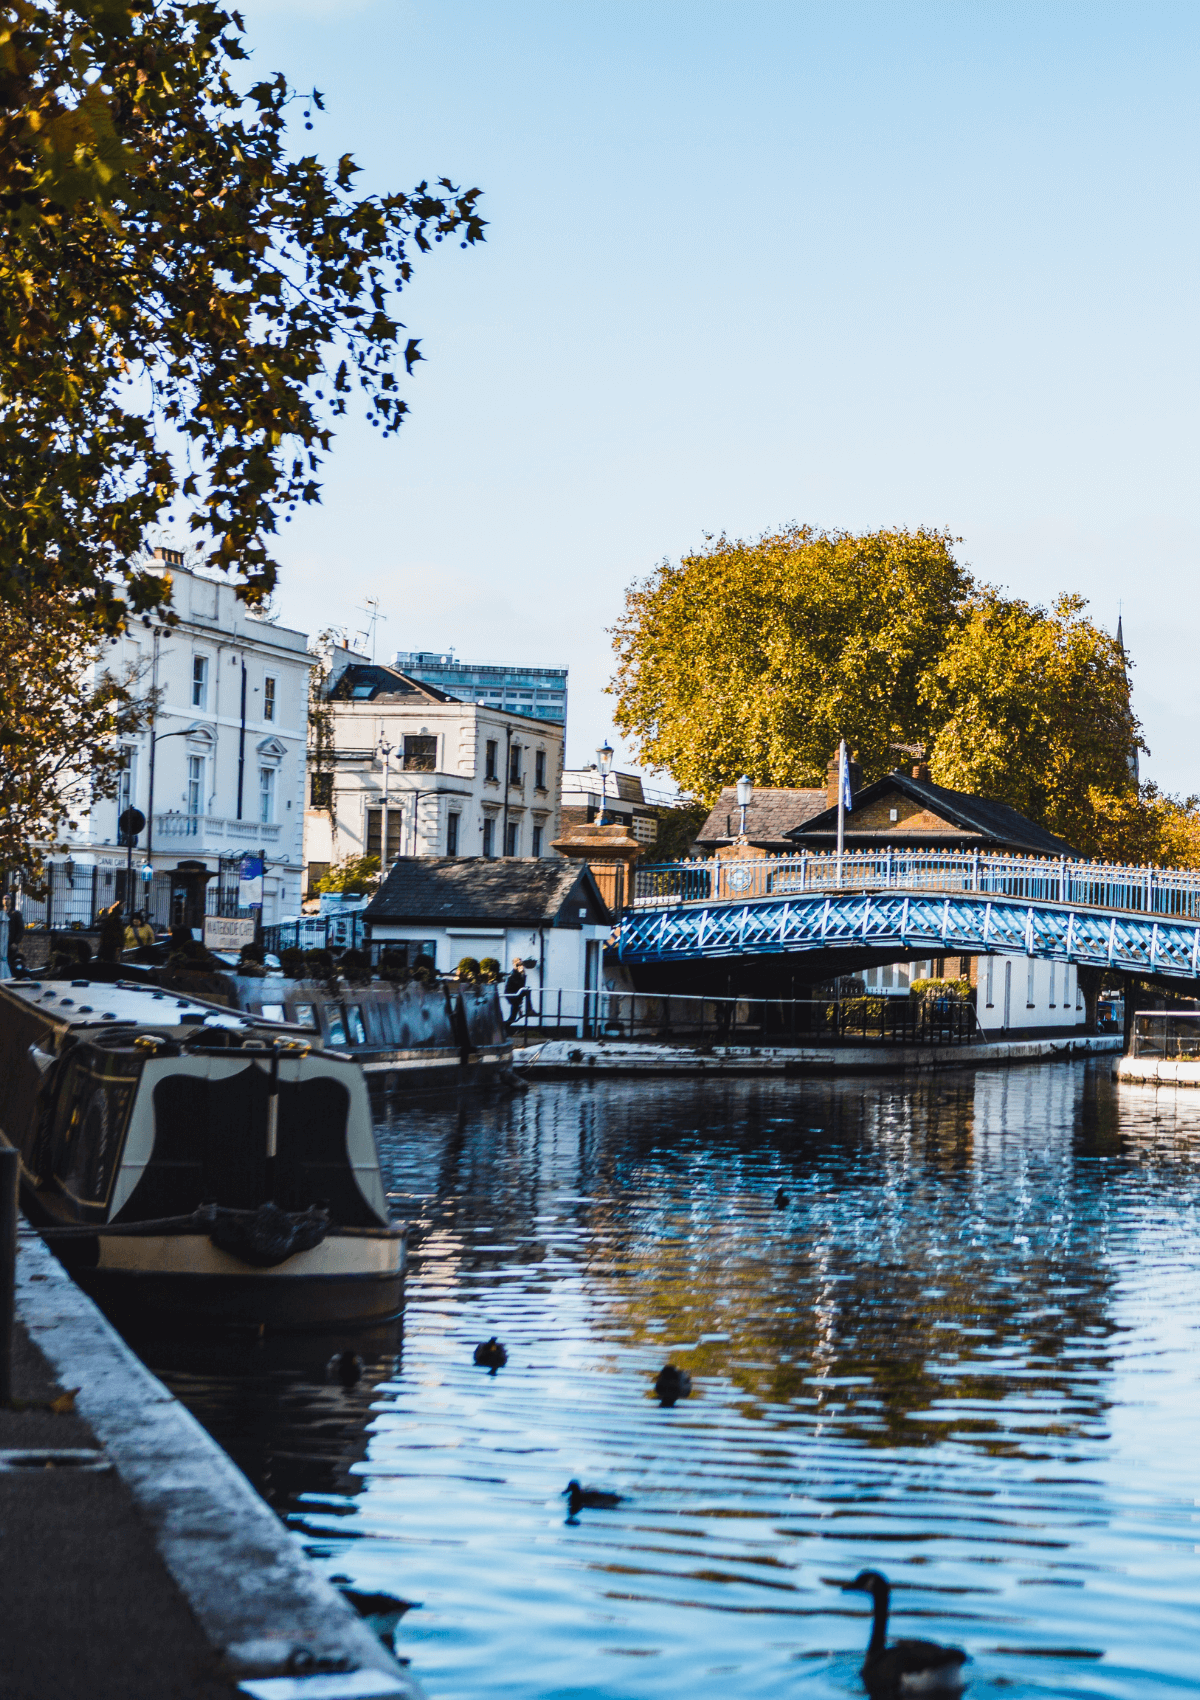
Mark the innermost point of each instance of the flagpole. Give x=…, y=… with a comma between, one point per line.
x=841, y=807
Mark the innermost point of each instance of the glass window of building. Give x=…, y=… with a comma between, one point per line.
x=268, y=698
x=266, y=795
x=195, y=785
x=420, y=753
x=514, y=765
x=489, y=833
x=452, y=821
x=320, y=790
x=200, y=681
x=539, y=770
x=511, y=838
x=489, y=766
x=537, y=840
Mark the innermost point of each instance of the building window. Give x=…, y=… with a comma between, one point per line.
x=489, y=766
x=420, y=753
x=489, y=835
x=1029, y=967
x=266, y=795
x=452, y=821
x=195, y=785
x=511, y=834
x=514, y=765
x=537, y=839
x=320, y=790
x=645, y=828
x=378, y=840
x=539, y=770
x=316, y=873
x=268, y=698
x=200, y=681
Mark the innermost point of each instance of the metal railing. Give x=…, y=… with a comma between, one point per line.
x=653, y=1018
x=1166, y=1034
x=1097, y=885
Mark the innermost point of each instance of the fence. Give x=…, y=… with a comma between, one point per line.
x=1171, y=1033
x=1099, y=885
x=71, y=895
x=651, y=1018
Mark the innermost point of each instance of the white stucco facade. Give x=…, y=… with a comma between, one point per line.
x=413, y=773
x=221, y=772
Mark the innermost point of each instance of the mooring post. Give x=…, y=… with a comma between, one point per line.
x=10, y=1171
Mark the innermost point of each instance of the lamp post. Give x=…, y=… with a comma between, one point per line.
x=604, y=759
x=745, y=790
x=385, y=750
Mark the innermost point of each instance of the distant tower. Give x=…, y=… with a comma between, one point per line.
x=1132, y=758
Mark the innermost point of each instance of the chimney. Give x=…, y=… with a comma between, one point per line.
x=831, y=777
x=921, y=770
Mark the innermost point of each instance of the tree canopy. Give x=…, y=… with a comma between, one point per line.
x=758, y=656
x=170, y=273
x=63, y=717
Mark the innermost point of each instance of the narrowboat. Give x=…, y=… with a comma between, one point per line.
x=184, y=1159
x=412, y=1037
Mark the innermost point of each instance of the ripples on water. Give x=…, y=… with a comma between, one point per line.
x=965, y=1352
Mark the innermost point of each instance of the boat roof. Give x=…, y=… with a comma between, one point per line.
x=91, y=1003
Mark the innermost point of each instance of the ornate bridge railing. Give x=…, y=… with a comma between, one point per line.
x=1093, y=885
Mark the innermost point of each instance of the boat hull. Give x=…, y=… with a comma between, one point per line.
x=346, y=1281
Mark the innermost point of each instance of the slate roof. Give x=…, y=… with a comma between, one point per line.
x=367, y=681
x=771, y=815
x=994, y=824
x=491, y=891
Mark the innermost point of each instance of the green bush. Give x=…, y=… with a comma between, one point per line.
x=489, y=969
x=291, y=961
x=354, y=877
x=931, y=990
x=468, y=969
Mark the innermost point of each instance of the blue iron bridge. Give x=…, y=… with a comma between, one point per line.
x=880, y=905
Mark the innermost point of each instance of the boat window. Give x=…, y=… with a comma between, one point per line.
x=337, y=1027
x=273, y=1012
x=304, y=1014
x=354, y=1021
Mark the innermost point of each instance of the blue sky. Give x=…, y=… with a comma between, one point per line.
x=848, y=264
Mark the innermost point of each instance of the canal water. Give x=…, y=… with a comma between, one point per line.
x=965, y=1350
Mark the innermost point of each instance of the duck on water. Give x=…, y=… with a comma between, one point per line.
x=186, y=1160
x=906, y=1667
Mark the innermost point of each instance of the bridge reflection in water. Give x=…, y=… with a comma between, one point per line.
x=964, y=1351
x=874, y=907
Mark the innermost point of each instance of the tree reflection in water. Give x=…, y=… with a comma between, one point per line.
x=928, y=1359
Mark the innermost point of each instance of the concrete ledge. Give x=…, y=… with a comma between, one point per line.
x=569, y=1059
x=1156, y=1071
x=244, y=1575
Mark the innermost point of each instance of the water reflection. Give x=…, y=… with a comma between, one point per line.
x=965, y=1351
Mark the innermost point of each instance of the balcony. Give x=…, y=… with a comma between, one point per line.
x=215, y=829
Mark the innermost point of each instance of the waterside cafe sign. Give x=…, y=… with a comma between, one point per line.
x=231, y=932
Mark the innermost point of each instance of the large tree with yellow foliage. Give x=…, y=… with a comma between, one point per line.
x=758, y=656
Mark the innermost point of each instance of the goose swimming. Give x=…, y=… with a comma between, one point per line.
x=906, y=1667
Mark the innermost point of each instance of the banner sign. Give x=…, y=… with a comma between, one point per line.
x=223, y=932
x=250, y=888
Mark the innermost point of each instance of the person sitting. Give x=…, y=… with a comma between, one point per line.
x=138, y=931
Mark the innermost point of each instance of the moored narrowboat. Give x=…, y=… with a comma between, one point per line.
x=182, y=1158
x=416, y=1036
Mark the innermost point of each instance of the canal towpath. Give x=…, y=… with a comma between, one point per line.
x=136, y=1559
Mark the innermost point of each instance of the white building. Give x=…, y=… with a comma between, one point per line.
x=548, y=913
x=400, y=768
x=218, y=776
x=623, y=801
x=1020, y=995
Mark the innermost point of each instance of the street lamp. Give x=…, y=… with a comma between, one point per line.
x=604, y=758
x=745, y=790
